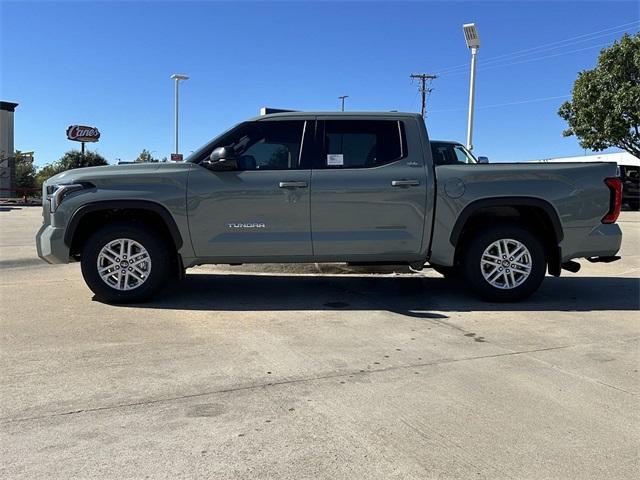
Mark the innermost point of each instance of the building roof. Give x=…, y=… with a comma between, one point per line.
x=8, y=106
x=621, y=158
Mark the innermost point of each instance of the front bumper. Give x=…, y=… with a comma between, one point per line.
x=50, y=245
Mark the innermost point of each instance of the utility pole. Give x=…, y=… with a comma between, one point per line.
x=424, y=78
x=342, y=97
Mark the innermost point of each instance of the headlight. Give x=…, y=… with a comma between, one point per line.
x=57, y=193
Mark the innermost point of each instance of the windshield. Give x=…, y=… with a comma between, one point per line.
x=448, y=153
x=470, y=158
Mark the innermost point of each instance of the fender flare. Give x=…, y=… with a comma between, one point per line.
x=476, y=205
x=148, y=205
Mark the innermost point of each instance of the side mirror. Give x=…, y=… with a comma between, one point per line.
x=222, y=158
x=483, y=159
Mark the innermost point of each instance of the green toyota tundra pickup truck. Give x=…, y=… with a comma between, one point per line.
x=362, y=188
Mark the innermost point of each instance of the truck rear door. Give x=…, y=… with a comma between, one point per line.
x=368, y=190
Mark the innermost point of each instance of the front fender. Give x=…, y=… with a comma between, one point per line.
x=82, y=211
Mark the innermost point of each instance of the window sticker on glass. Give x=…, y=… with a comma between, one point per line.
x=335, y=159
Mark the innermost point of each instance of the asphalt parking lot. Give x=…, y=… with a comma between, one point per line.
x=234, y=374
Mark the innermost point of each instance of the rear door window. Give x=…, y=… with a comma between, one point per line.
x=362, y=143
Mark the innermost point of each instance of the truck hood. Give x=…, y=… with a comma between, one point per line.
x=114, y=172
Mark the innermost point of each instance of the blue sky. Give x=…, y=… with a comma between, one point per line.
x=107, y=64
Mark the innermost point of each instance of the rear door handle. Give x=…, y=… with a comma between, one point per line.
x=292, y=184
x=405, y=183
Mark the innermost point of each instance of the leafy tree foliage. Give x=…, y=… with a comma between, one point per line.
x=605, y=109
x=75, y=159
x=145, y=156
x=71, y=159
x=24, y=171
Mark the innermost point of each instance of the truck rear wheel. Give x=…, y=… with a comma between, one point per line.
x=125, y=262
x=505, y=263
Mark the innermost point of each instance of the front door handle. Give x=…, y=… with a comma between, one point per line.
x=405, y=183
x=292, y=184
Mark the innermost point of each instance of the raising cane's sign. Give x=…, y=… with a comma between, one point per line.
x=80, y=133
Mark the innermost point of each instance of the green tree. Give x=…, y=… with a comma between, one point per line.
x=24, y=172
x=605, y=107
x=46, y=172
x=145, y=156
x=75, y=159
x=70, y=160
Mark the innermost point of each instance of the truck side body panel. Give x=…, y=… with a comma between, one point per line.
x=576, y=193
x=364, y=214
x=246, y=214
x=164, y=184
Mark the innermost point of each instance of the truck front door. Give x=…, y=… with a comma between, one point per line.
x=262, y=209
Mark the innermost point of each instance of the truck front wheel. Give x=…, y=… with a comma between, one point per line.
x=125, y=262
x=505, y=263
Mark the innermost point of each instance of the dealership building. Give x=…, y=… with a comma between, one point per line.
x=7, y=148
x=621, y=158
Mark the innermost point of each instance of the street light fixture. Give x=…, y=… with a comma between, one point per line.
x=177, y=77
x=342, y=97
x=473, y=43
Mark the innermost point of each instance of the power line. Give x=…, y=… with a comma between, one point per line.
x=592, y=35
x=551, y=46
x=424, y=90
x=497, y=105
x=489, y=67
x=415, y=100
x=496, y=60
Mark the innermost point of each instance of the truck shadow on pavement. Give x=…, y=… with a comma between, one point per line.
x=416, y=296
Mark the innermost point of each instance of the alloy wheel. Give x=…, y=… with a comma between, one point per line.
x=506, y=264
x=124, y=264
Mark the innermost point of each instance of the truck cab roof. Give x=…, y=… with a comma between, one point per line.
x=448, y=142
x=307, y=115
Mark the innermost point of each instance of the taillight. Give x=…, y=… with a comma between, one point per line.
x=615, y=204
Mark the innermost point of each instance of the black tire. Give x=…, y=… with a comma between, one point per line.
x=158, y=251
x=450, y=273
x=474, y=271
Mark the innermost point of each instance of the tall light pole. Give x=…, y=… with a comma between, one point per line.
x=177, y=77
x=473, y=43
x=342, y=97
